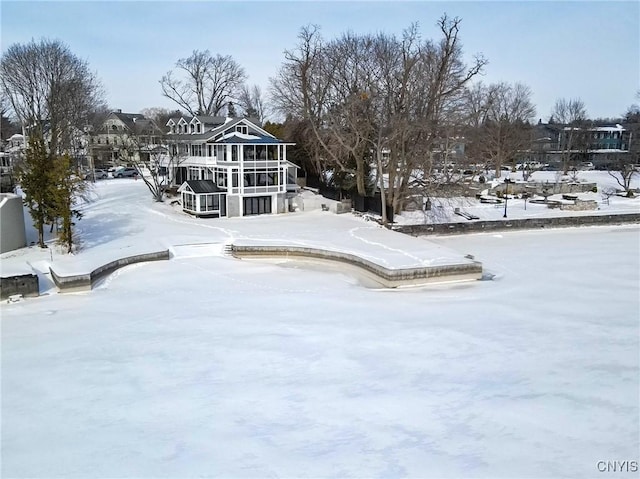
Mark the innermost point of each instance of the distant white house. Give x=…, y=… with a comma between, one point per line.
x=229, y=167
x=13, y=151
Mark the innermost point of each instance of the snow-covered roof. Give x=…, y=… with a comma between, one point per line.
x=237, y=137
x=617, y=127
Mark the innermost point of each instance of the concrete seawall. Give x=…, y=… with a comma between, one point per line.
x=25, y=284
x=85, y=282
x=517, y=224
x=390, y=278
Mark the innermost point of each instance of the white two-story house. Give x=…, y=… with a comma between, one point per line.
x=229, y=167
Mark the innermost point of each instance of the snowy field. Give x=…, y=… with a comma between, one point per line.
x=207, y=366
x=443, y=208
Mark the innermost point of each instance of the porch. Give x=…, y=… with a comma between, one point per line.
x=203, y=198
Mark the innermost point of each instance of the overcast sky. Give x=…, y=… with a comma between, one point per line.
x=584, y=49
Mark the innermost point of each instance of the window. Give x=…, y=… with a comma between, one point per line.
x=250, y=179
x=220, y=152
x=257, y=205
x=188, y=201
x=249, y=152
x=242, y=129
x=261, y=178
x=234, y=152
x=196, y=150
x=221, y=179
x=194, y=173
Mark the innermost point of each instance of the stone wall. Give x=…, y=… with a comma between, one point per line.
x=580, y=205
x=26, y=284
x=538, y=187
x=390, y=278
x=515, y=224
x=84, y=282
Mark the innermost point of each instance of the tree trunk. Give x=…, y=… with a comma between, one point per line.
x=41, y=234
x=360, y=177
x=383, y=195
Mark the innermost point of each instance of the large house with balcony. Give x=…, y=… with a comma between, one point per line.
x=122, y=135
x=602, y=145
x=228, y=167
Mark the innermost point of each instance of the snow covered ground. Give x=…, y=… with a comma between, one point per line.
x=121, y=221
x=443, y=208
x=207, y=366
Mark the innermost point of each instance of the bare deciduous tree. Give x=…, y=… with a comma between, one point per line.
x=624, y=173
x=573, y=138
x=500, y=116
x=160, y=116
x=52, y=92
x=203, y=84
x=607, y=193
x=362, y=94
x=147, y=149
x=252, y=102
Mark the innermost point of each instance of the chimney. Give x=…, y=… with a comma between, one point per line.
x=118, y=110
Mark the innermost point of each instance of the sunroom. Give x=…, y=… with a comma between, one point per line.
x=203, y=198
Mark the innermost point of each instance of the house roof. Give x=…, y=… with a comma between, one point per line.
x=211, y=120
x=236, y=137
x=136, y=122
x=255, y=135
x=202, y=186
x=128, y=118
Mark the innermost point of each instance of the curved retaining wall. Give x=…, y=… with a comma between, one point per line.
x=25, y=284
x=517, y=224
x=390, y=278
x=85, y=282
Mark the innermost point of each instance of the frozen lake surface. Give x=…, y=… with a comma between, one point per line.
x=207, y=366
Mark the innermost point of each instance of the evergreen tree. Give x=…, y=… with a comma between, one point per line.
x=68, y=187
x=276, y=129
x=53, y=93
x=35, y=181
